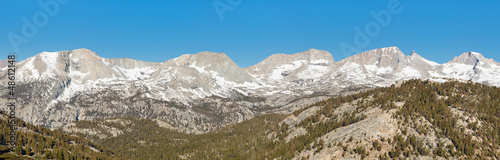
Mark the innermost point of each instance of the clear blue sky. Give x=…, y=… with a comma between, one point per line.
x=253, y=30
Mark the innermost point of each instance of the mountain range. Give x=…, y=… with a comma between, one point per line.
x=197, y=93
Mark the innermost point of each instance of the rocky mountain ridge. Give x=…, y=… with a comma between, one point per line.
x=200, y=92
x=282, y=67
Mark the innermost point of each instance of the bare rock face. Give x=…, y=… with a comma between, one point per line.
x=85, y=65
x=378, y=126
x=474, y=59
x=383, y=57
x=470, y=58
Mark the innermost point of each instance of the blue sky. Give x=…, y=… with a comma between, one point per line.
x=250, y=30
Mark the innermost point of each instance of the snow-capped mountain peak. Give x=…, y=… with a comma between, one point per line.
x=474, y=59
x=310, y=64
x=217, y=63
x=382, y=57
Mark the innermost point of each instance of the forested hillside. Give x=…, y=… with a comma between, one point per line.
x=410, y=119
x=35, y=142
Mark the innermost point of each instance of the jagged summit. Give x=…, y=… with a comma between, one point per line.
x=419, y=57
x=469, y=58
x=413, y=53
x=381, y=57
x=475, y=59
x=387, y=51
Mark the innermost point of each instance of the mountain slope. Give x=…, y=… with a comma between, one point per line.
x=205, y=91
x=200, y=75
x=35, y=142
x=413, y=119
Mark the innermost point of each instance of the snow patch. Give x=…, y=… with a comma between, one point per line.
x=378, y=70
x=353, y=73
x=137, y=73
x=429, y=62
x=308, y=92
x=457, y=67
x=199, y=69
x=318, y=61
x=313, y=71
x=476, y=54
x=283, y=70
x=29, y=66
x=287, y=92
x=78, y=74
x=410, y=72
